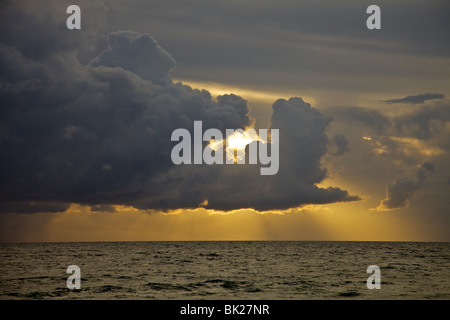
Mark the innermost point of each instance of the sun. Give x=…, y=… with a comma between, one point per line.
x=237, y=141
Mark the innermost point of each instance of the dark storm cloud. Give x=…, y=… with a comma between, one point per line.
x=31, y=207
x=302, y=144
x=417, y=99
x=99, y=133
x=96, y=134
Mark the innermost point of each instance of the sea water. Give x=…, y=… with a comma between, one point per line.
x=266, y=270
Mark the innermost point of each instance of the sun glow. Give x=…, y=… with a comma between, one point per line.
x=237, y=141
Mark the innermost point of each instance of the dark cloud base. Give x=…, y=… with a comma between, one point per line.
x=98, y=133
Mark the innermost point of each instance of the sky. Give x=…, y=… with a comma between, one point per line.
x=87, y=115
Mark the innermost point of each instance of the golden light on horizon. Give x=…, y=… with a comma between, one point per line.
x=330, y=222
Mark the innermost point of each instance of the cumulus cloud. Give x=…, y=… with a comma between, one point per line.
x=397, y=143
x=401, y=190
x=416, y=99
x=99, y=133
x=302, y=144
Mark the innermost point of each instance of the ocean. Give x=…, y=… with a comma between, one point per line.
x=230, y=270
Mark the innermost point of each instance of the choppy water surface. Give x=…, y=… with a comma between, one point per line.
x=225, y=270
